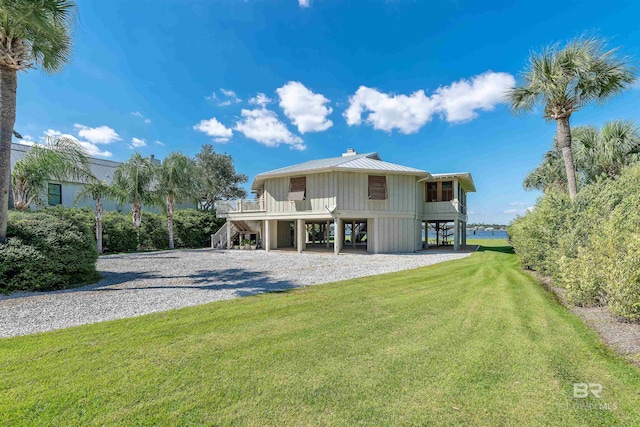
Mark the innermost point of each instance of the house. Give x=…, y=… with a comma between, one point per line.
x=64, y=192
x=355, y=202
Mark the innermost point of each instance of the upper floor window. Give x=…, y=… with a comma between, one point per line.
x=54, y=193
x=377, y=187
x=297, y=188
x=447, y=191
x=432, y=192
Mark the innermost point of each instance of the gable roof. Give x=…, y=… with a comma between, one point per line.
x=367, y=162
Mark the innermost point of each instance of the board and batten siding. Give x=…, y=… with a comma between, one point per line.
x=320, y=192
x=353, y=194
x=392, y=235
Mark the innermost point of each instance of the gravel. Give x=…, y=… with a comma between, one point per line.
x=137, y=284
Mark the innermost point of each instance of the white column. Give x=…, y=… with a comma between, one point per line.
x=228, y=225
x=302, y=234
x=456, y=234
x=267, y=235
x=338, y=234
x=464, y=234
x=353, y=234
x=327, y=233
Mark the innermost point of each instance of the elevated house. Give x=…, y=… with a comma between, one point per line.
x=355, y=202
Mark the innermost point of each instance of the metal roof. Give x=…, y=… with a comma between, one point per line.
x=367, y=162
x=465, y=179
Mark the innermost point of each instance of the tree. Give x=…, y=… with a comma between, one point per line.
x=217, y=177
x=598, y=154
x=175, y=182
x=32, y=34
x=60, y=159
x=132, y=182
x=563, y=80
x=98, y=191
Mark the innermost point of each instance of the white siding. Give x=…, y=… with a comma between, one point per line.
x=320, y=193
x=353, y=193
x=394, y=235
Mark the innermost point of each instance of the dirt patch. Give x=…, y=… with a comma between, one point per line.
x=622, y=337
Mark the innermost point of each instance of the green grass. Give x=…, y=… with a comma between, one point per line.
x=468, y=342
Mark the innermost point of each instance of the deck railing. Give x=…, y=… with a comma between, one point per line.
x=225, y=207
x=445, y=207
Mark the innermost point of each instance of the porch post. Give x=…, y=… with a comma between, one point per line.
x=267, y=235
x=353, y=234
x=464, y=233
x=302, y=234
x=327, y=233
x=456, y=234
x=337, y=235
x=228, y=225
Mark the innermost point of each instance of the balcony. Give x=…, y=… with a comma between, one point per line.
x=448, y=207
x=226, y=207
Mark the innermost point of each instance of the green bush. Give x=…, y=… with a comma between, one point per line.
x=46, y=252
x=590, y=247
x=193, y=228
x=118, y=234
x=153, y=231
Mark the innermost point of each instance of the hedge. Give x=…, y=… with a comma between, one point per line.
x=590, y=247
x=46, y=252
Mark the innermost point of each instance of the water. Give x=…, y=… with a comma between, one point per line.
x=496, y=234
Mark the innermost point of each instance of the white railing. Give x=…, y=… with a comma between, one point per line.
x=220, y=239
x=445, y=207
x=225, y=207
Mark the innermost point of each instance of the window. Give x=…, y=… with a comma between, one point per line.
x=432, y=192
x=297, y=188
x=54, y=193
x=377, y=187
x=447, y=191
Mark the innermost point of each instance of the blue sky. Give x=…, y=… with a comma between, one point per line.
x=280, y=82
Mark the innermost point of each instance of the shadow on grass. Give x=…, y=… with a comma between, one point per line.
x=505, y=249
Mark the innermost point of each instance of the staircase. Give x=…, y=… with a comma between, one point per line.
x=219, y=240
x=232, y=228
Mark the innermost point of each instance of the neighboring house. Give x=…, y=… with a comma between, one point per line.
x=64, y=192
x=353, y=202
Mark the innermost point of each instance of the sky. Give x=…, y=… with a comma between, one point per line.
x=279, y=82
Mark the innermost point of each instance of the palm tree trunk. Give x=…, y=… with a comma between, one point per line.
x=8, y=88
x=170, y=207
x=136, y=216
x=99, y=224
x=564, y=142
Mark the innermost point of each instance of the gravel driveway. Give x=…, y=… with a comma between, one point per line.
x=136, y=284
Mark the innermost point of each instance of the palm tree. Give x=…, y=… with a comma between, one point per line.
x=132, y=182
x=32, y=34
x=60, y=159
x=176, y=181
x=598, y=154
x=98, y=191
x=563, y=80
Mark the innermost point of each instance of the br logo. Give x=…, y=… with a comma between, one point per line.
x=581, y=390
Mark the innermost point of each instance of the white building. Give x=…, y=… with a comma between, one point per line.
x=353, y=202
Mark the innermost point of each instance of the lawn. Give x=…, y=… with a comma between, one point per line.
x=468, y=342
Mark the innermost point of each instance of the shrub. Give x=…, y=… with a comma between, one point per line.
x=46, y=252
x=153, y=231
x=623, y=280
x=118, y=234
x=193, y=228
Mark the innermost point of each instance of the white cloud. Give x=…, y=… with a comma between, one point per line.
x=304, y=3
x=457, y=102
x=160, y=143
x=530, y=208
x=260, y=99
x=304, y=108
x=212, y=127
x=99, y=135
x=263, y=126
x=513, y=211
x=228, y=97
x=138, y=142
x=92, y=149
x=140, y=115
x=518, y=204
